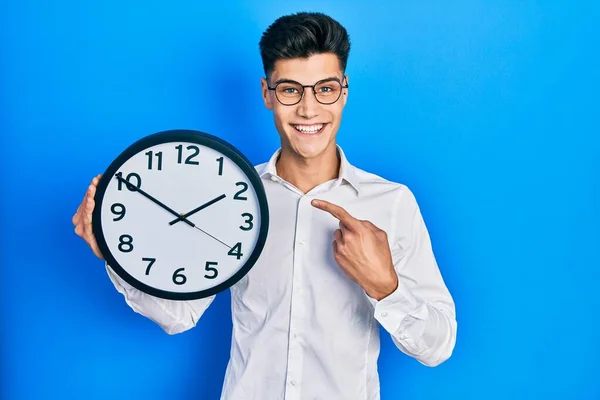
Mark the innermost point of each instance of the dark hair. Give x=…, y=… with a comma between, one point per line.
x=302, y=35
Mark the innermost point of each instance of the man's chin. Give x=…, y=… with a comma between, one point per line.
x=311, y=150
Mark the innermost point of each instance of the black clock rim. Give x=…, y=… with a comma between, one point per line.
x=192, y=136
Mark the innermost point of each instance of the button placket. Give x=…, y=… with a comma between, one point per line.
x=297, y=314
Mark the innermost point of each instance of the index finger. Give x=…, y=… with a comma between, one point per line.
x=338, y=212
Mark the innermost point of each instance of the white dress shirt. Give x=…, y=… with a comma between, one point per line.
x=302, y=330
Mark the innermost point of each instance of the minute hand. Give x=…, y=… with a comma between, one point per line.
x=195, y=210
x=134, y=188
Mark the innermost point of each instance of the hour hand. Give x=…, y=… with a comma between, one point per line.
x=134, y=188
x=195, y=210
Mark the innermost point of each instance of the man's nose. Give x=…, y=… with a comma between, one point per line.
x=308, y=106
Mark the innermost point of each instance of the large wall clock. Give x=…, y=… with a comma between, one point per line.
x=181, y=215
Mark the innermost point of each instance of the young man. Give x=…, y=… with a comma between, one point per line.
x=306, y=318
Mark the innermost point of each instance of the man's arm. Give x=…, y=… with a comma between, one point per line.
x=171, y=315
x=403, y=283
x=420, y=313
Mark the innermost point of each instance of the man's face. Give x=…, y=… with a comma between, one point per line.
x=307, y=128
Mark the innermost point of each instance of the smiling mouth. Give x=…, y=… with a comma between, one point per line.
x=309, y=129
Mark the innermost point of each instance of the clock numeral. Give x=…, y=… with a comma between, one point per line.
x=208, y=267
x=119, y=210
x=150, y=155
x=248, y=221
x=236, y=251
x=189, y=159
x=178, y=277
x=130, y=186
x=151, y=262
x=220, y=161
x=244, y=186
x=125, y=243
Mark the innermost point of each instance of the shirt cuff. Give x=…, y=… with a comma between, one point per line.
x=391, y=310
x=119, y=283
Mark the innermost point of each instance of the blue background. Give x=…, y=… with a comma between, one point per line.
x=487, y=110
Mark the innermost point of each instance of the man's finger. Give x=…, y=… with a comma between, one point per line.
x=96, y=180
x=92, y=191
x=338, y=236
x=76, y=217
x=338, y=212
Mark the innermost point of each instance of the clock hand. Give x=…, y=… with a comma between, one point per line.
x=229, y=247
x=179, y=217
x=136, y=189
x=195, y=210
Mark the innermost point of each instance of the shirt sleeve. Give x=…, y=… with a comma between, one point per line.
x=173, y=316
x=420, y=314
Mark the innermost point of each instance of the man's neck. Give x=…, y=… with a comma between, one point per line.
x=307, y=174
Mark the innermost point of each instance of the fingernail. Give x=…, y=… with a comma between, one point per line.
x=316, y=203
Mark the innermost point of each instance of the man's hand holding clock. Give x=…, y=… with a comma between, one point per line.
x=82, y=219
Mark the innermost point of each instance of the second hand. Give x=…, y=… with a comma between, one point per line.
x=229, y=247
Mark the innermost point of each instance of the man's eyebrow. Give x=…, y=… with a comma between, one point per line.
x=293, y=81
x=284, y=80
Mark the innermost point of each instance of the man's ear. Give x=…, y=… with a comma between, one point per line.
x=267, y=99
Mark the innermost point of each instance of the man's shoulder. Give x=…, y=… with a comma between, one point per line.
x=370, y=180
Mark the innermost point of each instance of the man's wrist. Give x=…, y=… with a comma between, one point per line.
x=385, y=289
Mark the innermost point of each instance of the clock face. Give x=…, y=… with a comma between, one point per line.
x=181, y=215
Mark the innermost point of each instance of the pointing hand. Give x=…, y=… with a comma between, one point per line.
x=361, y=249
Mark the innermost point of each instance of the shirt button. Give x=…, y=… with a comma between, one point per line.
x=302, y=242
x=384, y=314
x=293, y=382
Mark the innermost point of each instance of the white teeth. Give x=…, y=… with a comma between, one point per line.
x=310, y=129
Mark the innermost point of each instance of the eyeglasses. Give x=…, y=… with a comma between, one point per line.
x=327, y=91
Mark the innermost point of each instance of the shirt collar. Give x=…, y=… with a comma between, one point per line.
x=347, y=170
